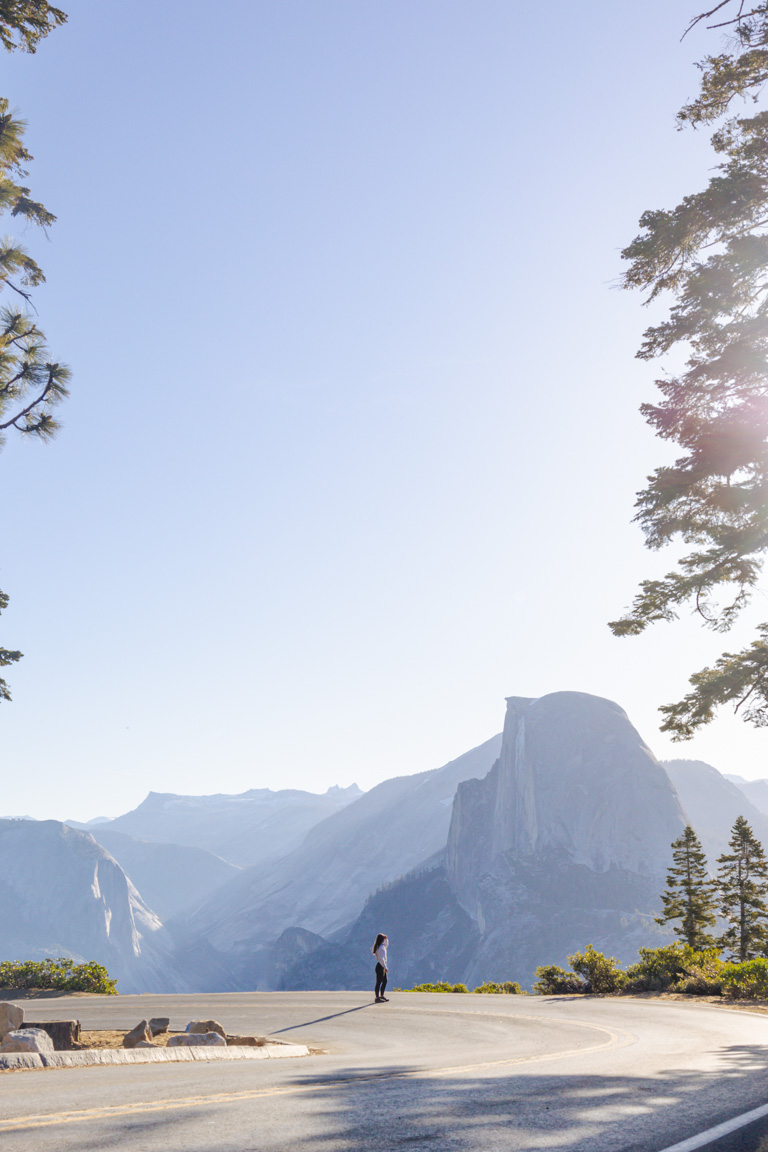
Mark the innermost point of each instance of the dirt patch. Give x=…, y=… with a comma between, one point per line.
x=113, y=1038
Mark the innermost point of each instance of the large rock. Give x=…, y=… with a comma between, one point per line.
x=197, y=1040
x=140, y=1032
x=65, y=1034
x=205, y=1026
x=28, y=1040
x=62, y=894
x=159, y=1024
x=566, y=841
x=11, y=1017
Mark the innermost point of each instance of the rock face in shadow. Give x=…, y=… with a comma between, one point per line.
x=566, y=841
x=62, y=894
x=436, y=940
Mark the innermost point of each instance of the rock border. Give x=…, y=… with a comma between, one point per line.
x=92, y=1057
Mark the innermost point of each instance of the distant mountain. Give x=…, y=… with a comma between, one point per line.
x=712, y=802
x=62, y=894
x=755, y=790
x=323, y=884
x=174, y=879
x=566, y=841
x=563, y=842
x=254, y=827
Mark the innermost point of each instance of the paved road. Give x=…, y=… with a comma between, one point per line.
x=434, y=1072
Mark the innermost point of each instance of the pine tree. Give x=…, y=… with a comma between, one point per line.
x=24, y=23
x=690, y=894
x=743, y=882
x=709, y=255
x=31, y=385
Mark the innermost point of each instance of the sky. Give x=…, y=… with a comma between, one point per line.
x=353, y=440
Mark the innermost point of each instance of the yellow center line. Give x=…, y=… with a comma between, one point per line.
x=616, y=1039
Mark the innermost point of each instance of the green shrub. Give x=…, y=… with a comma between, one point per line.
x=62, y=975
x=441, y=986
x=600, y=973
x=551, y=980
x=508, y=988
x=747, y=981
x=676, y=968
x=703, y=975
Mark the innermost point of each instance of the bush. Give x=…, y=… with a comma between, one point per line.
x=600, y=973
x=676, y=968
x=747, y=981
x=62, y=975
x=439, y=987
x=508, y=988
x=552, y=980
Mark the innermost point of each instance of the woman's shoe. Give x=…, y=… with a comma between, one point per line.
x=384, y=999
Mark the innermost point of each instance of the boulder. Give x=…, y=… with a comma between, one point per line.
x=140, y=1032
x=246, y=1041
x=206, y=1026
x=28, y=1040
x=159, y=1024
x=197, y=1040
x=11, y=1017
x=65, y=1034
x=146, y=1044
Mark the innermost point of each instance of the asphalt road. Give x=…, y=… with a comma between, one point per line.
x=433, y=1072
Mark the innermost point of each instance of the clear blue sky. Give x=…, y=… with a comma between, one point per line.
x=353, y=440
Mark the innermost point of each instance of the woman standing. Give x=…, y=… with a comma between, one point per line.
x=380, y=952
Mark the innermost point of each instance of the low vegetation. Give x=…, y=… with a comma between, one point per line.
x=441, y=986
x=62, y=975
x=508, y=988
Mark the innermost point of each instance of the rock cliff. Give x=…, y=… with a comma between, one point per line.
x=62, y=894
x=566, y=840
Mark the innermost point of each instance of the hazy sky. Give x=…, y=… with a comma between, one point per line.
x=353, y=440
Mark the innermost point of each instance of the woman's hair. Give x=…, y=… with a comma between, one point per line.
x=379, y=940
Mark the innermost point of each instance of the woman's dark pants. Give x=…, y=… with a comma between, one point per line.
x=381, y=980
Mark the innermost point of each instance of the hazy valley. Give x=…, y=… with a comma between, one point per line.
x=548, y=836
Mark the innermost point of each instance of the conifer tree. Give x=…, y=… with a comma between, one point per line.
x=709, y=256
x=24, y=23
x=743, y=882
x=31, y=384
x=690, y=894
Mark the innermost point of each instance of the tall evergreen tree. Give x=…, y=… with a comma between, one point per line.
x=709, y=255
x=690, y=894
x=742, y=878
x=31, y=385
x=24, y=23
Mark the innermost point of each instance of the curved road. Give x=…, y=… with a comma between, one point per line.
x=435, y=1072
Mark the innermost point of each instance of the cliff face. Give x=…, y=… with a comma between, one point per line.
x=566, y=840
x=574, y=781
x=62, y=894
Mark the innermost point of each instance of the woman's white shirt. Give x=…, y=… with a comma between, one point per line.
x=381, y=955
